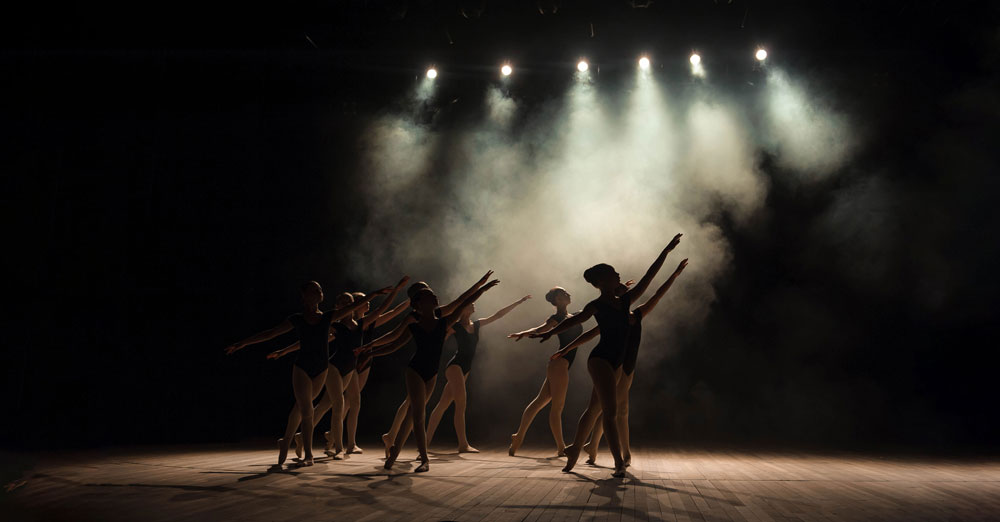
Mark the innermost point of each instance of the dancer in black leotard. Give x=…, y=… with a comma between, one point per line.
x=628, y=368
x=429, y=333
x=612, y=314
x=457, y=371
x=348, y=337
x=556, y=375
x=309, y=369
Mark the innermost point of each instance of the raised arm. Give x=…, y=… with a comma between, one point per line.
x=349, y=310
x=450, y=307
x=453, y=317
x=373, y=316
x=549, y=324
x=391, y=314
x=266, y=335
x=502, y=312
x=586, y=313
x=399, y=342
x=648, y=306
x=578, y=342
x=640, y=287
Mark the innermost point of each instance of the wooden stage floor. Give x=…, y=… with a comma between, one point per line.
x=233, y=484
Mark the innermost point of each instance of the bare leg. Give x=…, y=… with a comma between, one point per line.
x=456, y=376
x=417, y=391
x=447, y=396
x=558, y=376
x=305, y=390
x=401, y=413
x=583, y=428
x=624, y=385
x=335, y=386
x=353, y=399
x=605, y=385
x=595, y=440
x=535, y=406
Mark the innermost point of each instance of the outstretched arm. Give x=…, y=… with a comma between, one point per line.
x=388, y=348
x=391, y=314
x=640, y=287
x=391, y=336
x=450, y=307
x=266, y=335
x=542, y=328
x=453, y=317
x=579, y=318
x=578, y=342
x=648, y=306
x=502, y=312
x=349, y=310
x=373, y=316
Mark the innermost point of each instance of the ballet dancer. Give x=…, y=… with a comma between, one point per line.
x=429, y=333
x=466, y=332
x=628, y=368
x=312, y=326
x=612, y=313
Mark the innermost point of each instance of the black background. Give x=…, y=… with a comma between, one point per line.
x=173, y=171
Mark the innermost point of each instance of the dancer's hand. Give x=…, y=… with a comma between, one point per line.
x=383, y=291
x=525, y=298
x=233, y=348
x=556, y=355
x=674, y=242
x=542, y=337
x=276, y=354
x=492, y=283
x=402, y=282
x=516, y=336
x=482, y=280
x=680, y=268
x=630, y=282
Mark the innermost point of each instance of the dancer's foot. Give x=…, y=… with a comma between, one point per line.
x=467, y=449
x=297, y=439
x=561, y=452
x=387, y=440
x=334, y=454
x=425, y=465
x=515, y=444
x=308, y=461
x=390, y=457
x=355, y=449
x=591, y=453
x=282, y=451
x=572, y=454
x=619, y=471
x=329, y=440
x=628, y=459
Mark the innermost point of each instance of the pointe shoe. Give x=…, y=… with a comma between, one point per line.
x=425, y=466
x=572, y=454
x=282, y=451
x=467, y=449
x=628, y=460
x=591, y=453
x=334, y=454
x=561, y=452
x=308, y=461
x=297, y=440
x=514, y=445
x=387, y=441
x=355, y=449
x=390, y=458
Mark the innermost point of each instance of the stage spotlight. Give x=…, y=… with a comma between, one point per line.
x=644, y=63
x=695, y=59
x=761, y=55
x=432, y=73
x=506, y=70
x=582, y=66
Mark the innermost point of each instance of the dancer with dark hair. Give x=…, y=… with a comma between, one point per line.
x=628, y=368
x=428, y=333
x=349, y=333
x=457, y=371
x=556, y=374
x=604, y=362
x=310, y=367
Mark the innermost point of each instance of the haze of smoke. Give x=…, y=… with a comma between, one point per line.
x=573, y=185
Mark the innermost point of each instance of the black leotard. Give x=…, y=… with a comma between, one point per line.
x=313, y=352
x=466, y=346
x=367, y=337
x=427, y=357
x=614, y=325
x=342, y=348
x=632, y=347
x=567, y=337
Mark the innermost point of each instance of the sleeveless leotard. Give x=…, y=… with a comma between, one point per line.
x=427, y=357
x=313, y=351
x=632, y=347
x=567, y=337
x=343, y=346
x=466, y=346
x=614, y=325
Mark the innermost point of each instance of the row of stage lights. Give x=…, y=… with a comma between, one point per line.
x=583, y=66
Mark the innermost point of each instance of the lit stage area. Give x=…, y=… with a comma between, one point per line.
x=212, y=483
